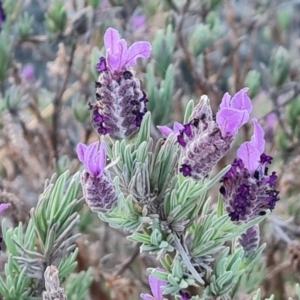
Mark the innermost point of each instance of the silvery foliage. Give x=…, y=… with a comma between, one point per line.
x=172, y=217
x=51, y=227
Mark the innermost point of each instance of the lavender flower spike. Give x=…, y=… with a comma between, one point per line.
x=121, y=103
x=205, y=140
x=98, y=188
x=247, y=189
x=156, y=289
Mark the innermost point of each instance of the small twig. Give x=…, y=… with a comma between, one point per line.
x=57, y=103
x=284, y=265
x=249, y=60
x=186, y=260
x=173, y=5
x=123, y=267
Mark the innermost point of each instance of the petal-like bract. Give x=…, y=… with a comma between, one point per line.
x=3, y=207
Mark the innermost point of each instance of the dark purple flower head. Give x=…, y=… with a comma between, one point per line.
x=2, y=15
x=247, y=189
x=121, y=103
x=98, y=189
x=156, y=286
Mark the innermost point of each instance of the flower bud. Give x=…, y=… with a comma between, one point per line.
x=200, y=39
x=206, y=140
x=94, y=3
x=250, y=240
x=279, y=66
x=57, y=18
x=79, y=109
x=253, y=82
x=98, y=189
x=99, y=192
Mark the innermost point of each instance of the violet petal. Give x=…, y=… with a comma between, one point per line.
x=3, y=207
x=81, y=148
x=177, y=127
x=90, y=159
x=117, y=60
x=230, y=120
x=147, y=297
x=111, y=39
x=156, y=286
x=136, y=50
x=249, y=155
x=165, y=130
x=241, y=101
x=225, y=103
x=102, y=157
x=257, y=139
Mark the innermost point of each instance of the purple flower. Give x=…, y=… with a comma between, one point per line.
x=156, y=286
x=139, y=21
x=121, y=103
x=184, y=295
x=250, y=240
x=247, y=188
x=166, y=131
x=206, y=140
x=118, y=56
x=234, y=113
x=3, y=207
x=2, y=15
x=270, y=126
x=93, y=159
x=28, y=73
x=97, y=186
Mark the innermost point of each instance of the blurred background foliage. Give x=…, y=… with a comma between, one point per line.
x=48, y=52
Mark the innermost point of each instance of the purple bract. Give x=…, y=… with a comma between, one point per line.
x=3, y=207
x=234, y=112
x=118, y=56
x=166, y=131
x=94, y=159
x=156, y=286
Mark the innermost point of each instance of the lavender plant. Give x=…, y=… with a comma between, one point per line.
x=164, y=210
